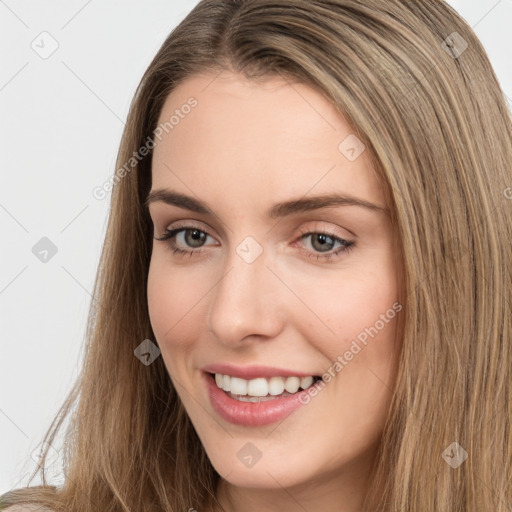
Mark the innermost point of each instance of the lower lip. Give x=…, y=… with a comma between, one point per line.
x=250, y=414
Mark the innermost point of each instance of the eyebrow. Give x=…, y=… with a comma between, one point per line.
x=283, y=209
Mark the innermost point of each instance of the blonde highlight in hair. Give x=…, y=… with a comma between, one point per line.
x=440, y=135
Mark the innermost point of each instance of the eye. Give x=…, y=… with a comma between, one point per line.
x=324, y=242
x=188, y=235
x=194, y=238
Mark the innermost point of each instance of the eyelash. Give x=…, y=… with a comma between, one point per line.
x=169, y=236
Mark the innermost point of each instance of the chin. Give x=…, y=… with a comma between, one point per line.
x=265, y=473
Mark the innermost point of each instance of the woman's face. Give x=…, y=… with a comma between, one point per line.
x=279, y=279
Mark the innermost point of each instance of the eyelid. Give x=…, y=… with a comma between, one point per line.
x=190, y=224
x=187, y=224
x=346, y=245
x=183, y=227
x=328, y=230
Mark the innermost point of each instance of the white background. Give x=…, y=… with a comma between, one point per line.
x=62, y=119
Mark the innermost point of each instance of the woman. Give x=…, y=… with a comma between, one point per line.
x=234, y=361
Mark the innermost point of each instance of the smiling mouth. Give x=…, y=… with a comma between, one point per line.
x=262, y=389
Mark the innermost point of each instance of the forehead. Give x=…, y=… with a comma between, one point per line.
x=247, y=137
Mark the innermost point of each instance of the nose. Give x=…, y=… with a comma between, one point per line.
x=247, y=301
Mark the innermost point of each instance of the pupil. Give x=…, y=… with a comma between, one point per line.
x=321, y=238
x=197, y=236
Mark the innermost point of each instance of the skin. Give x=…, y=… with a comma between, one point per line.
x=243, y=148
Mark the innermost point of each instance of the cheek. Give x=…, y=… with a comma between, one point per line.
x=363, y=314
x=350, y=307
x=174, y=301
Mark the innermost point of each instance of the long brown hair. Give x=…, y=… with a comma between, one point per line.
x=417, y=86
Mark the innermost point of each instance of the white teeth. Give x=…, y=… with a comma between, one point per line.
x=237, y=386
x=256, y=387
x=305, y=382
x=261, y=387
x=226, y=383
x=292, y=384
x=275, y=386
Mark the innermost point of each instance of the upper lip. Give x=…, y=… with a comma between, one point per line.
x=253, y=371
